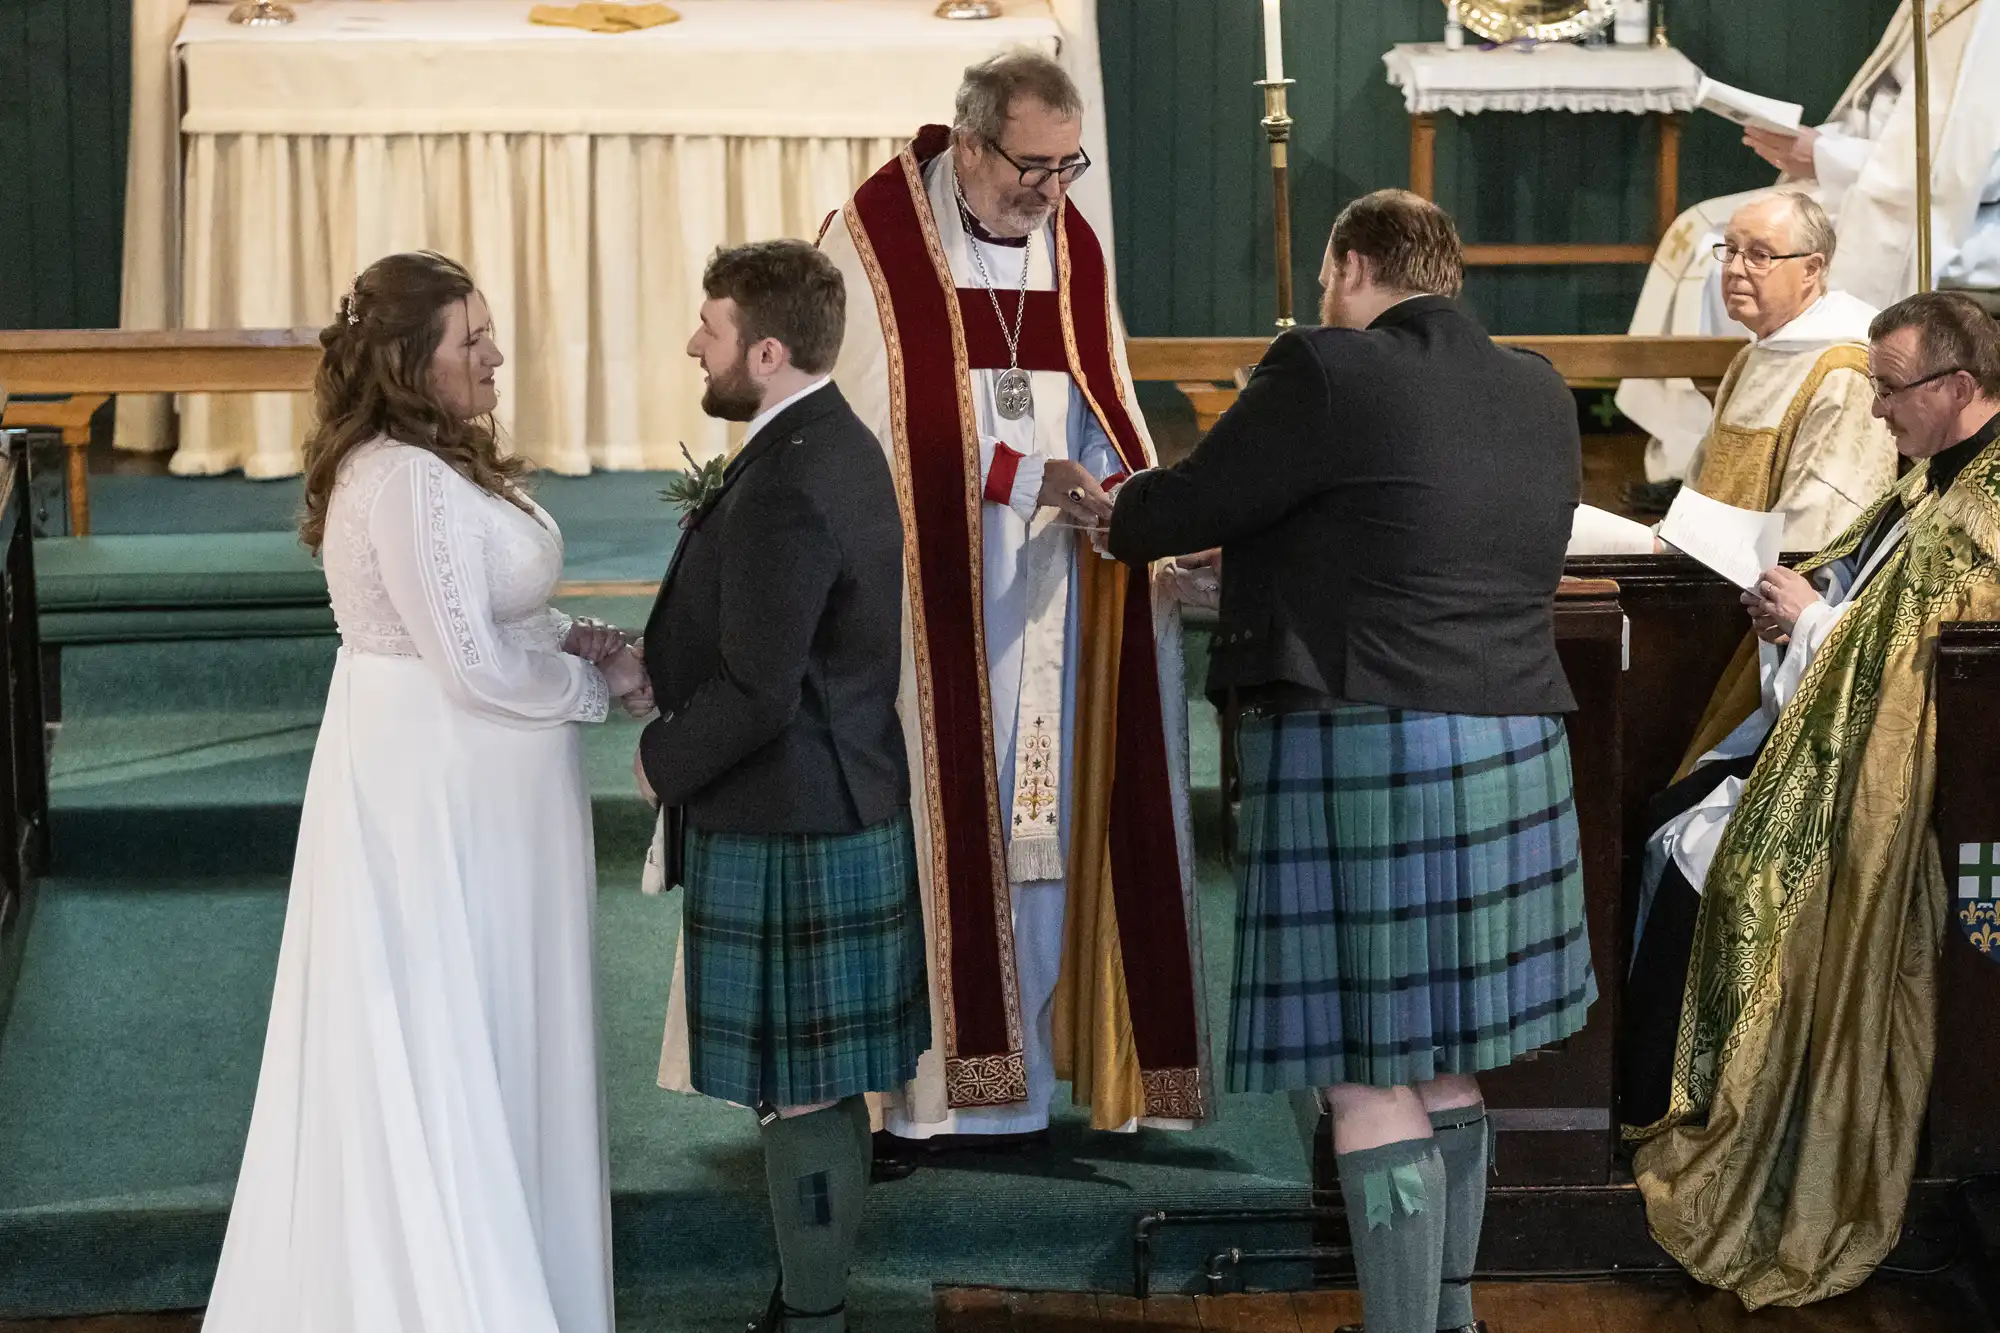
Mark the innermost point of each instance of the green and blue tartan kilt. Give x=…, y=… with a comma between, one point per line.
x=804, y=964
x=1412, y=897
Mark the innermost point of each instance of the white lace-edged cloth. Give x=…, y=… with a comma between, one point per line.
x=1638, y=80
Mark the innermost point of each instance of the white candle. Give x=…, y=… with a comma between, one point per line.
x=1274, y=43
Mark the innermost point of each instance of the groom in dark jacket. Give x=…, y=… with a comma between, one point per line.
x=775, y=653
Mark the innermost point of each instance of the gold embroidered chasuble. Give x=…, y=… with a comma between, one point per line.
x=1794, y=432
x=1803, y=1062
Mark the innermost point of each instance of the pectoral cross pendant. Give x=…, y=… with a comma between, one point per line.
x=1012, y=393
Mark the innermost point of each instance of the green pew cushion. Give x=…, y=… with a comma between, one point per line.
x=177, y=570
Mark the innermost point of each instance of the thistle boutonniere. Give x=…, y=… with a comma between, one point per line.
x=695, y=489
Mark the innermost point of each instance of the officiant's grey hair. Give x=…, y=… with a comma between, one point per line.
x=986, y=98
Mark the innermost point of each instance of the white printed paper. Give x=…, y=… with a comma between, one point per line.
x=1738, y=544
x=1748, y=109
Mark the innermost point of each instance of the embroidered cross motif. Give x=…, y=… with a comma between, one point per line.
x=1679, y=241
x=1036, y=790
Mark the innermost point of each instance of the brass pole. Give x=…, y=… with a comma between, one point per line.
x=1278, y=128
x=1920, y=34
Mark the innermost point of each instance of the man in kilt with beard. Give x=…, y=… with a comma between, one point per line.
x=774, y=652
x=1391, y=498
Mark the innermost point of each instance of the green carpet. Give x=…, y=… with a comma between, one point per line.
x=129, y=1058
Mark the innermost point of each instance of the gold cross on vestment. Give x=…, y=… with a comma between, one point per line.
x=1679, y=241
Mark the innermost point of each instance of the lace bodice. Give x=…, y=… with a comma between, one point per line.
x=422, y=563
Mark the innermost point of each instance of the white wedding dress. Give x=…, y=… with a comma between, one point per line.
x=426, y=1154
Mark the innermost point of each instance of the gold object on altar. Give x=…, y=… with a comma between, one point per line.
x=262, y=13
x=969, y=9
x=1536, y=20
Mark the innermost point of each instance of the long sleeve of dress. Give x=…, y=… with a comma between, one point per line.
x=429, y=536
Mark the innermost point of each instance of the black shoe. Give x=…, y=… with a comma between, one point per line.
x=893, y=1158
x=777, y=1312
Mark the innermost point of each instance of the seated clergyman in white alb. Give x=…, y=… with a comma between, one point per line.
x=1861, y=166
x=1794, y=430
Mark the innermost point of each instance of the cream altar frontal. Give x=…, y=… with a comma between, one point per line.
x=583, y=177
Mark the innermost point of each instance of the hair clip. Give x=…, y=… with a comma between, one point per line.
x=350, y=304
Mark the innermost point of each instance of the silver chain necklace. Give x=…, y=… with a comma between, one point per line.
x=1011, y=392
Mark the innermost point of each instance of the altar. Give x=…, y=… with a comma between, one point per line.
x=584, y=178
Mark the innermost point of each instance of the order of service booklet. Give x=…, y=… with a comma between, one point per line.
x=1749, y=110
x=1738, y=544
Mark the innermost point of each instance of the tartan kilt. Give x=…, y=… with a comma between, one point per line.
x=804, y=964
x=1412, y=897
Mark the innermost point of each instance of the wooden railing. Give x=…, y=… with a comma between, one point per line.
x=111, y=361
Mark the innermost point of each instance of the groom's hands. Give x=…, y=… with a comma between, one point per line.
x=639, y=703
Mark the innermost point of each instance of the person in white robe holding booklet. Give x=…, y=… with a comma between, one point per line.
x=1860, y=165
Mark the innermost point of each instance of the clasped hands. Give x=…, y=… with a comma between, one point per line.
x=1776, y=601
x=621, y=660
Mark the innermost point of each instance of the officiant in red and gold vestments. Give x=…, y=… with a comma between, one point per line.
x=1043, y=694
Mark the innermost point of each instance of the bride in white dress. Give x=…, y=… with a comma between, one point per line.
x=427, y=1151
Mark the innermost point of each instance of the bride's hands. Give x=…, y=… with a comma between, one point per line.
x=593, y=640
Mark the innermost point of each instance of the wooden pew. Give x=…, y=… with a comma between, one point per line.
x=1965, y=1085
x=24, y=781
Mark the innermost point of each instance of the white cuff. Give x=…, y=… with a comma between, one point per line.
x=1026, y=496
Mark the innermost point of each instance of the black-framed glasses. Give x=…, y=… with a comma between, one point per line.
x=1885, y=392
x=1034, y=178
x=1756, y=261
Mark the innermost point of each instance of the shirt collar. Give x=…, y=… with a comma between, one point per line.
x=764, y=418
x=1948, y=463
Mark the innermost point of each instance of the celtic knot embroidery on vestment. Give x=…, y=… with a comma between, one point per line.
x=1173, y=1094
x=986, y=1080
x=446, y=572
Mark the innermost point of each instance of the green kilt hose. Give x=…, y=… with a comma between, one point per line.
x=804, y=964
x=1412, y=897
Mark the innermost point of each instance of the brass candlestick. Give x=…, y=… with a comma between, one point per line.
x=1278, y=129
x=262, y=13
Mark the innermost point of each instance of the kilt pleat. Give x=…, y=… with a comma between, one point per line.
x=1412, y=897
x=804, y=964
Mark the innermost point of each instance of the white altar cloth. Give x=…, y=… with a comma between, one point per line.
x=584, y=178
x=1557, y=76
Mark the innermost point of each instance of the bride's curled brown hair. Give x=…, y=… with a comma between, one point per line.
x=375, y=379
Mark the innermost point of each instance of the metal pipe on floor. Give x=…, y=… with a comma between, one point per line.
x=1145, y=1224
x=1235, y=1258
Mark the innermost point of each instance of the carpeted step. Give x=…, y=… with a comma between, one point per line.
x=130, y=1060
